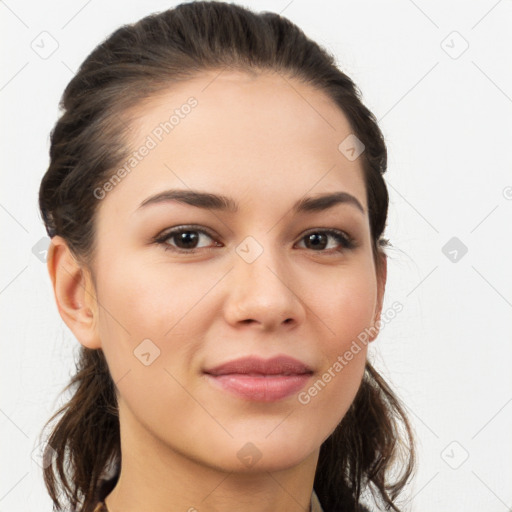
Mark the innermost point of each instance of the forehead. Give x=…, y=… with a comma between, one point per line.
x=240, y=105
x=262, y=137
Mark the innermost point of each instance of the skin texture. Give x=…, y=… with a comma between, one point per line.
x=266, y=142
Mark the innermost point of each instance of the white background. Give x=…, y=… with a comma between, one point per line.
x=447, y=119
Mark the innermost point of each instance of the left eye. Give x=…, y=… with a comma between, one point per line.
x=187, y=238
x=317, y=238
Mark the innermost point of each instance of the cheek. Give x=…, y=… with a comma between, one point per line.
x=347, y=306
x=348, y=317
x=143, y=311
x=140, y=300
x=149, y=331
x=331, y=394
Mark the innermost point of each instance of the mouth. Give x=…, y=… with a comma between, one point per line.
x=256, y=379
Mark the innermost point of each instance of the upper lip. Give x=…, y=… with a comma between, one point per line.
x=279, y=365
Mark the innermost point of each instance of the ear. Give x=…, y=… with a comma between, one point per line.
x=382, y=272
x=74, y=293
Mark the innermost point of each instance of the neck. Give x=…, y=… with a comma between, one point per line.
x=156, y=477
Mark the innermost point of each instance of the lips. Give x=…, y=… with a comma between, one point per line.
x=256, y=379
x=280, y=365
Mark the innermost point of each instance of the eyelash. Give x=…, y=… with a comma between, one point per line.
x=346, y=241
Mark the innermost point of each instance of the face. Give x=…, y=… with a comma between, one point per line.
x=259, y=278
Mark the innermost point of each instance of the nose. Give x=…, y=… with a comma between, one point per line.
x=262, y=292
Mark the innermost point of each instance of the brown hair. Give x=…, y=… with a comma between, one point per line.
x=87, y=143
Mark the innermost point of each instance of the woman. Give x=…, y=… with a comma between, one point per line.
x=216, y=206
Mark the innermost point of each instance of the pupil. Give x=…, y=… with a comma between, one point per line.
x=187, y=237
x=314, y=237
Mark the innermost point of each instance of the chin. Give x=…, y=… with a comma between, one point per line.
x=253, y=455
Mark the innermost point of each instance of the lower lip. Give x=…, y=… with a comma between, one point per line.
x=261, y=388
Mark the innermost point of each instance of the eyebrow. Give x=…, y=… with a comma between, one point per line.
x=226, y=204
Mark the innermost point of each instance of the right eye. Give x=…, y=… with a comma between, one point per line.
x=186, y=239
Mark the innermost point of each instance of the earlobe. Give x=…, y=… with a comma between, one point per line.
x=381, y=287
x=74, y=293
